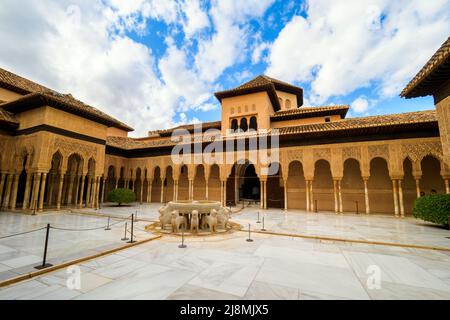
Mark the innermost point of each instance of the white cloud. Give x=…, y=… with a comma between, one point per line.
x=345, y=45
x=196, y=17
x=360, y=105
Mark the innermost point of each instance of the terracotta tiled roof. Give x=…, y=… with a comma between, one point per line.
x=374, y=123
x=437, y=67
x=380, y=122
x=8, y=118
x=263, y=83
x=188, y=127
x=304, y=112
x=36, y=92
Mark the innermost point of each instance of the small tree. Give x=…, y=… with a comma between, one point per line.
x=120, y=196
x=433, y=208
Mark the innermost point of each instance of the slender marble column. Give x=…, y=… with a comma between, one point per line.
x=88, y=191
x=51, y=187
x=97, y=193
x=105, y=181
x=94, y=192
x=2, y=185
x=175, y=190
x=191, y=190
x=400, y=198
x=221, y=193
x=77, y=188
x=26, y=196
x=83, y=182
x=162, y=190
x=447, y=188
x=133, y=183
x=261, y=194
x=117, y=183
x=311, y=197
x=395, y=193
x=308, y=209
x=366, y=196
x=225, y=193
x=285, y=195
x=206, y=190
x=42, y=192
x=341, y=206
x=9, y=179
x=418, y=187
x=69, y=196
x=265, y=194
x=336, y=205
x=36, y=187
x=60, y=187
x=150, y=191
x=141, y=192
x=14, y=191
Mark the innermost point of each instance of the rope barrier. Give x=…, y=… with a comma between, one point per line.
x=22, y=233
x=87, y=229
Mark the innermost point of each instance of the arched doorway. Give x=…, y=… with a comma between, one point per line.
x=200, y=183
x=323, y=189
x=431, y=181
x=214, y=183
x=243, y=183
x=156, y=186
x=168, y=185
x=296, y=186
x=353, y=198
x=381, y=198
x=408, y=186
x=275, y=187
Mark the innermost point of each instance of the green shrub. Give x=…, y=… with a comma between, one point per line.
x=120, y=196
x=433, y=208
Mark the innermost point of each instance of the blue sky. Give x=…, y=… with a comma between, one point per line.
x=155, y=64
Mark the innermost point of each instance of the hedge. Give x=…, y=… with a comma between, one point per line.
x=433, y=208
x=120, y=196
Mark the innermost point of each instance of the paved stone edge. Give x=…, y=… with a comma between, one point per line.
x=37, y=273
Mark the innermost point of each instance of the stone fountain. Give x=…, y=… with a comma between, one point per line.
x=194, y=216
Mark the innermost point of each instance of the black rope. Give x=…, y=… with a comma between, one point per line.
x=87, y=229
x=21, y=233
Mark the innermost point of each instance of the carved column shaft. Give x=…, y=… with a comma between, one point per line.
x=83, y=182
x=366, y=196
x=285, y=195
x=400, y=198
x=60, y=187
x=395, y=193
x=341, y=206
x=308, y=208
x=336, y=205
x=42, y=192
x=15, y=186
x=2, y=185
x=26, y=196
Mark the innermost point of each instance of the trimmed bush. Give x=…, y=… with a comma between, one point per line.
x=120, y=196
x=433, y=208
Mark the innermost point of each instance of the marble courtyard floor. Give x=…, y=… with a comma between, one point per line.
x=271, y=267
x=20, y=254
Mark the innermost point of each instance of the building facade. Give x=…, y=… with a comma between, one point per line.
x=56, y=151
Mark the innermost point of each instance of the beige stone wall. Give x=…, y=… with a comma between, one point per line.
x=7, y=95
x=442, y=101
x=246, y=106
x=283, y=97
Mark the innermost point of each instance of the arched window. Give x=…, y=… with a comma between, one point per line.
x=281, y=102
x=244, y=125
x=253, y=123
x=288, y=104
x=234, y=124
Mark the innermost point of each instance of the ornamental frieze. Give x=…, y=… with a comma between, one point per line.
x=324, y=153
x=295, y=155
x=417, y=151
x=68, y=147
x=381, y=150
x=351, y=152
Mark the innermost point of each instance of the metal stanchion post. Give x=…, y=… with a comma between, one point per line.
x=249, y=235
x=44, y=260
x=107, y=226
x=132, y=229
x=263, y=225
x=125, y=234
x=182, y=245
x=258, y=218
